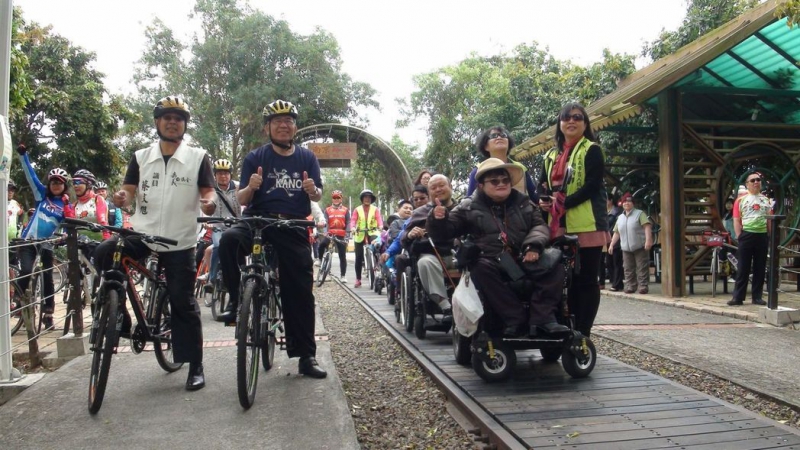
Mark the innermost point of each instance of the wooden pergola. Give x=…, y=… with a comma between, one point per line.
x=727, y=103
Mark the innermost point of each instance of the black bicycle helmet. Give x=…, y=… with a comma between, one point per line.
x=366, y=192
x=85, y=175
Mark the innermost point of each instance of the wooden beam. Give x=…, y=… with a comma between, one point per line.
x=673, y=253
x=742, y=124
x=739, y=91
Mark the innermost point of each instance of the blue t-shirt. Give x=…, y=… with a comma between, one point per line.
x=282, y=189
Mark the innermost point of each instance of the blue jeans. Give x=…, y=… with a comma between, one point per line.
x=212, y=272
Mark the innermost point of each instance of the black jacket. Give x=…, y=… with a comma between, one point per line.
x=523, y=223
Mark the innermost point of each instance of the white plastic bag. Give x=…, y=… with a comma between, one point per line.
x=467, y=306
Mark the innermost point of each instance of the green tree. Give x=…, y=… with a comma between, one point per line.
x=20, y=92
x=791, y=10
x=239, y=61
x=66, y=123
x=702, y=16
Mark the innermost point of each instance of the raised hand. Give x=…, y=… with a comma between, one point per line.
x=21, y=149
x=308, y=184
x=256, y=179
x=439, y=211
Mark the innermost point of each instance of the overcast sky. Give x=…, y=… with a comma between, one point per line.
x=383, y=43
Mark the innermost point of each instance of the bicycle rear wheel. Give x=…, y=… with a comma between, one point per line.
x=324, y=268
x=219, y=299
x=105, y=337
x=162, y=342
x=247, y=343
x=16, y=298
x=273, y=326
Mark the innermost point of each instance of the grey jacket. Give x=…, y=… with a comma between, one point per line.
x=523, y=224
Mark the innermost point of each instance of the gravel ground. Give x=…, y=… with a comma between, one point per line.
x=394, y=403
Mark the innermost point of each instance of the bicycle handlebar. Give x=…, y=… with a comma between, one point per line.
x=259, y=221
x=124, y=232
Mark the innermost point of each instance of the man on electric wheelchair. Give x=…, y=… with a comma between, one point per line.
x=429, y=263
x=506, y=227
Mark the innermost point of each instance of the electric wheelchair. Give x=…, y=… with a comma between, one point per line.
x=492, y=354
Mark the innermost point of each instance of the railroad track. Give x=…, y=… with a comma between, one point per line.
x=616, y=407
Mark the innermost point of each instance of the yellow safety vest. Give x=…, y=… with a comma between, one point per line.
x=366, y=221
x=581, y=218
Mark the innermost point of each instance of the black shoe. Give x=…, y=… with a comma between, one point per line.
x=308, y=366
x=447, y=312
x=758, y=301
x=229, y=315
x=553, y=328
x=196, y=379
x=733, y=302
x=47, y=322
x=515, y=331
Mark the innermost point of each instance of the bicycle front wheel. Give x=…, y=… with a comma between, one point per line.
x=324, y=268
x=247, y=345
x=162, y=339
x=105, y=337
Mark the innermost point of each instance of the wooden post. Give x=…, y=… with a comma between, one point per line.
x=670, y=161
x=75, y=303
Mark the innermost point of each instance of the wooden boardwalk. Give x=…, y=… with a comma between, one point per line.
x=618, y=407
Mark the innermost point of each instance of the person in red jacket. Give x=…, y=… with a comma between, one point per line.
x=337, y=216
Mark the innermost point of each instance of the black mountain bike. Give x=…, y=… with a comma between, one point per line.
x=153, y=315
x=327, y=260
x=260, y=317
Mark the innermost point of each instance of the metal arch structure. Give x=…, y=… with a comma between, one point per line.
x=399, y=178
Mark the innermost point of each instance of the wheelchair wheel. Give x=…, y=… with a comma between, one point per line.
x=461, y=348
x=551, y=354
x=379, y=284
x=390, y=293
x=421, y=308
x=579, y=359
x=407, y=300
x=498, y=368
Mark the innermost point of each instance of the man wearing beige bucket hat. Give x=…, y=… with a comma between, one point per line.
x=506, y=226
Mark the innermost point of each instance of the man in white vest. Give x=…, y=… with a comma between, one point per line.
x=171, y=183
x=633, y=232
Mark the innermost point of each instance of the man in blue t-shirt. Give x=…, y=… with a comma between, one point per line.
x=279, y=179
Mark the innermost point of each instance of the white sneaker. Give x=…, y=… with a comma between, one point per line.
x=343, y=280
x=316, y=262
x=203, y=277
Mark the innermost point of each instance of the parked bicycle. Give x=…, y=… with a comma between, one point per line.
x=153, y=314
x=260, y=317
x=327, y=260
x=371, y=262
x=35, y=286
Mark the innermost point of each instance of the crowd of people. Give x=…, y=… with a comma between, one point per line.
x=510, y=217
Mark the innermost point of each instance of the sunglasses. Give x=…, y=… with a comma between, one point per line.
x=575, y=117
x=337, y=197
x=498, y=181
x=754, y=180
x=78, y=182
x=499, y=135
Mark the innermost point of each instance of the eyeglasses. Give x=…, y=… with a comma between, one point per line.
x=498, y=181
x=499, y=135
x=283, y=121
x=576, y=117
x=754, y=180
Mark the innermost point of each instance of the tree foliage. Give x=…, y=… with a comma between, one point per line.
x=791, y=10
x=241, y=60
x=523, y=91
x=20, y=92
x=61, y=112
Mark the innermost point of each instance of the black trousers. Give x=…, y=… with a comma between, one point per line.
x=752, y=254
x=359, y=248
x=584, y=294
x=27, y=256
x=296, y=274
x=341, y=247
x=491, y=281
x=179, y=269
x=615, y=270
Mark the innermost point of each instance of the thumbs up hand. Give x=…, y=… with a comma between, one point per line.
x=256, y=179
x=308, y=184
x=439, y=211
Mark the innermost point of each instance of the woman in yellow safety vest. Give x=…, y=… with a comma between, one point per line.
x=366, y=223
x=574, y=171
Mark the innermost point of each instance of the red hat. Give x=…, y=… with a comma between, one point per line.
x=627, y=197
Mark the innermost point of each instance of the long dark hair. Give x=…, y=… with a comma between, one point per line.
x=483, y=139
x=419, y=177
x=587, y=133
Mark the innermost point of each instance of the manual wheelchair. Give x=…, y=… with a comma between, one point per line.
x=417, y=311
x=492, y=355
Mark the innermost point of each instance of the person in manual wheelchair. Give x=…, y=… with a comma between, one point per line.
x=430, y=265
x=506, y=227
